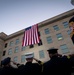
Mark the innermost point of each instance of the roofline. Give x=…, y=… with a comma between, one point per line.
x=57, y=18
x=43, y=23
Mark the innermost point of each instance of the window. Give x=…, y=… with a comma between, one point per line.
x=47, y=31
x=39, y=33
x=56, y=27
x=5, y=45
x=23, y=58
x=64, y=48
x=11, y=43
x=4, y=52
x=17, y=41
x=10, y=51
x=69, y=31
x=59, y=36
x=15, y=58
x=40, y=43
x=41, y=54
x=23, y=48
x=31, y=46
x=65, y=24
x=16, y=49
x=49, y=39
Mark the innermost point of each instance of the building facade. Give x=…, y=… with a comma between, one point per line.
x=54, y=32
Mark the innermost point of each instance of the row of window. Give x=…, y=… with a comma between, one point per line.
x=17, y=42
x=11, y=43
x=41, y=55
x=59, y=37
x=64, y=49
x=56, y=28
x=47, y=31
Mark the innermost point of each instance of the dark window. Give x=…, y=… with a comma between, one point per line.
x=31, y=46
x=47, y=31
x=4, y=52
x=56, y=27
x=41, y=54
x=23, y=48
x=66, y=25
x=49, y=39
x=5, y=45
x=17, y=41
x=39, y=33
x=40, y=43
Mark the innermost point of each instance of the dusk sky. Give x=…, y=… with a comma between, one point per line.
x=16, y=15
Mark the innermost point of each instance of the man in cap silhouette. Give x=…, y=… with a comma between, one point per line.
x=57, y=64
x=30, y=67
x=7, y=68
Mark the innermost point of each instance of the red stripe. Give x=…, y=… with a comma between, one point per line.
x=23, y=41
x=38, y=37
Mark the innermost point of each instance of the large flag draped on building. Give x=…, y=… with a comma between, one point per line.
x=31, y=36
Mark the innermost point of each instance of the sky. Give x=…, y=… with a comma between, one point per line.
x=16, y=15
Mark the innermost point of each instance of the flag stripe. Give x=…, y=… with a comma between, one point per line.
x=37, y=34
x=32, y=35
x=30, y=31
x=25, y=39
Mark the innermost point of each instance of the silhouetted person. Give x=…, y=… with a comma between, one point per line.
x=7, y=69
x=57, y=65
x=30, y=67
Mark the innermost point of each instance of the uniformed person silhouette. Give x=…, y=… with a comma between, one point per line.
x=7, y=69
x=30, y=67
x=57, y=65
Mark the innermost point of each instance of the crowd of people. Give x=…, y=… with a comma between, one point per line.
x=56, y=65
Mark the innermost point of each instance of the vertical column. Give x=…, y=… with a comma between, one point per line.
x=2, y=38
x=1, y=48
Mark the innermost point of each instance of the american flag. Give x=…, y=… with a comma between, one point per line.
x=31, y=36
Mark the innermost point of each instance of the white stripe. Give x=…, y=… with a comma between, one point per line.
x=35, y=34
x=30, y=31
x=27, y=37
